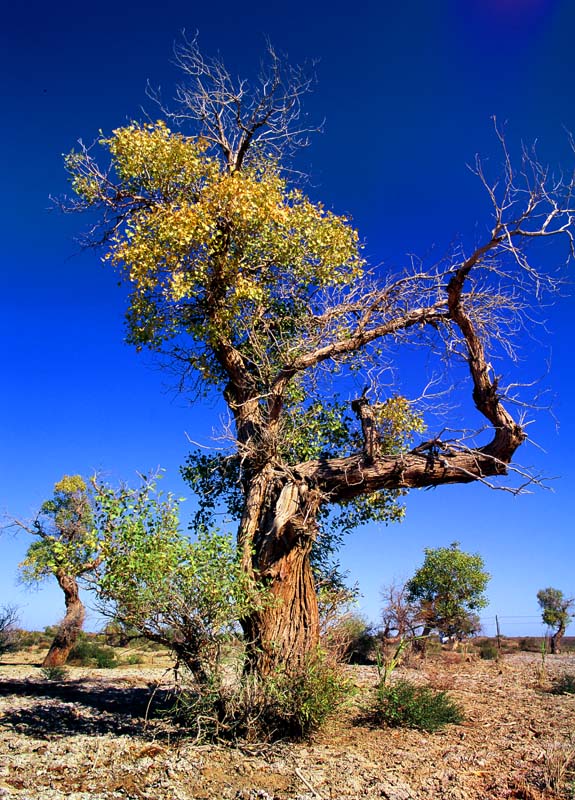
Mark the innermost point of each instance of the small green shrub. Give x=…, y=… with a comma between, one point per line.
x=565, y=684
x=300, y=703
x=488, y=651
x=55, y=673
x=405, y=704
x=90, y=654
x=134, y=658
x=264, y=709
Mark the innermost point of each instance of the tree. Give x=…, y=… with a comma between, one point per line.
x=65, y=547
x=555, y=607
x=243, y=286
x=187, y=595
x=8, y=620
x=400, y=617
x=448, y=589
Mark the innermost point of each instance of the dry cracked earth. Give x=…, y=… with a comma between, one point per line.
x=91, y=737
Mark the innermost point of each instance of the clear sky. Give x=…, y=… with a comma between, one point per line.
x=406, y=90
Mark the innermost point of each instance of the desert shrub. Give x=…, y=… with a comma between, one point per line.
x=488, y=651
x=55, y=673
x=351, y=639
x=528, y=644
x=87, y=653
x=565, y=684
x=405, y=704
x=252, y=708
x=134, y=658
x=26, y=639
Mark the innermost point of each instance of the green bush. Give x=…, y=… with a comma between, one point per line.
x=55, y=673
x=264, y=709
x=405, y=704
x=90, y=654
x=299, y=703
x=488, y=651
x=134, y=658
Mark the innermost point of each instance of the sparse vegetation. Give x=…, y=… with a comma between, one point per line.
x=488, y=650
x=87, y=653
x=55, y=673
x=405, y=704
x=252, y=708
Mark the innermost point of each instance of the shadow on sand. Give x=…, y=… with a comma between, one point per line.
x=65, y=708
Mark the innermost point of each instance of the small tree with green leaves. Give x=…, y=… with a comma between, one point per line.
x=188, y=595
x=65, y=547
x=555, y=607
x=449, y=588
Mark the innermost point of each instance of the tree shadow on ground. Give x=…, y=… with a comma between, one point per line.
x=79, y=707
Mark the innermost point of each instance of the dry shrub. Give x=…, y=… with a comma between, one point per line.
x=441, y=682
x=559, y=764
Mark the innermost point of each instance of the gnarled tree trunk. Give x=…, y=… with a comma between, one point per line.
x=70, y=627
x=556, y=640
x=280, y=522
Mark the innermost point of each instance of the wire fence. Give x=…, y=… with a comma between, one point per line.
x=513, y=625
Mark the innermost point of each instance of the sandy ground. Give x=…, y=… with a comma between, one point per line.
x=87, y=738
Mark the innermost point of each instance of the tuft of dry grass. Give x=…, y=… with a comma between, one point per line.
x=559, y=763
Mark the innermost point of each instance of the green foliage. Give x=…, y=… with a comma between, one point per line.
x=54, y=673
x=555, y=608
x=254, y=708
x=488, y=651
x=448, y=588
x=133, y=659
x=66, y=541
x=301, y=701
x=188, y=595
x=405, y=704
x=211, y=253
x=86, y=653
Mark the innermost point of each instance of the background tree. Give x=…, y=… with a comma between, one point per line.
x=400, y=616
x=555, y=607
x=448, y=589
x=243, y=285
x=8, y=622
x=66, y=548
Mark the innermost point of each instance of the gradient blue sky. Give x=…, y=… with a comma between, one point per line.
x=407, y=91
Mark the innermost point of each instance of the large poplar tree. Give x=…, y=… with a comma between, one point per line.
x=246, y=287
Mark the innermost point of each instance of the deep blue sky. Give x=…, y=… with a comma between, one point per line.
x=407, y=91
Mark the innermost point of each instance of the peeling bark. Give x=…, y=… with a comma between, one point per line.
x=286, y=628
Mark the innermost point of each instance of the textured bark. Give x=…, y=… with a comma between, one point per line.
x=70, y=627
x=556, y=640
x=286, y=628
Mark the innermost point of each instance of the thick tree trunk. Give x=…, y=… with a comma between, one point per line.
x=556, y=640
x=70, y=627
x=285, y=629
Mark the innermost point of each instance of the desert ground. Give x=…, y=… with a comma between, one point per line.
x=96, y=736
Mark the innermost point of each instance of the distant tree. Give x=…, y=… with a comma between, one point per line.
x=555, y=607
x=400, y=617
x=247, y=288
x=448, y=589
x=65, y=547
x=8, y=621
